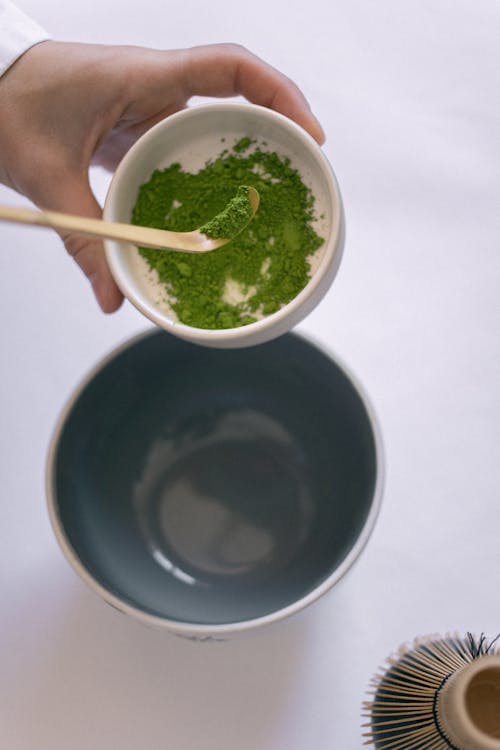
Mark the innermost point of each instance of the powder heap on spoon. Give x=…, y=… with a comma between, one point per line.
x=233, y=218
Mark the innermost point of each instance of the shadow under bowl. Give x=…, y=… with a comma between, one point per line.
x=209, y=491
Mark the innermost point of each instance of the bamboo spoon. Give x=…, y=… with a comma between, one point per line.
x=159, y=239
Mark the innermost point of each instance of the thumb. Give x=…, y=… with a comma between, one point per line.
x=76, y=198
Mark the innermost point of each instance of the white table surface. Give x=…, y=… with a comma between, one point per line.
x=408, y=94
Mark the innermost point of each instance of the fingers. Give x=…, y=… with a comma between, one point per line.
x=76, y=198
x=228, y=69
x=89, y=254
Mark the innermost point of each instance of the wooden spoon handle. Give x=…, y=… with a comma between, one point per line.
x=142, y=236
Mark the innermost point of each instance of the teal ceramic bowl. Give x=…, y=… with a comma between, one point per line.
x=211, y=491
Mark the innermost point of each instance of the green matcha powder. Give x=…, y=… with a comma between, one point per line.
x=232, y=219
x=263, y=267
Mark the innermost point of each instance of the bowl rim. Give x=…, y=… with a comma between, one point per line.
x=328, y=264
x=199, y=631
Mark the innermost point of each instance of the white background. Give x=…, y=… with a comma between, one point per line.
x=408, y=94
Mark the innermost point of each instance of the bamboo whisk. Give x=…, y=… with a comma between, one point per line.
x=441, y=693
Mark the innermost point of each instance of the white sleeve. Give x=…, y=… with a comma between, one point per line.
x=17, y=34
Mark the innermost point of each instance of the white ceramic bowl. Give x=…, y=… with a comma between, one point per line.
x=191, y=137
x=213, y=505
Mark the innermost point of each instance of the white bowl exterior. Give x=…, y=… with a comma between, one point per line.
x=191, y=137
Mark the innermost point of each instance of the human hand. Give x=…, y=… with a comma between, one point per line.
x=66, y=106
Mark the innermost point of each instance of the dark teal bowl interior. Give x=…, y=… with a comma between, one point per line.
x=214, y=486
